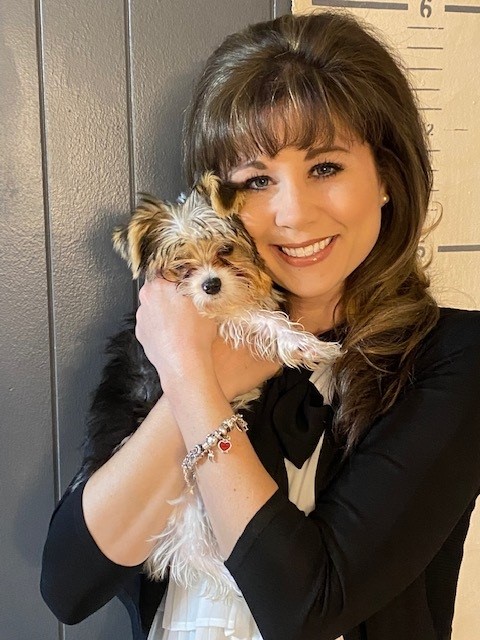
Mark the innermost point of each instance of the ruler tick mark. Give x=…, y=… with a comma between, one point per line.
x=362, y=4
x=444, y=248
x=458, y=8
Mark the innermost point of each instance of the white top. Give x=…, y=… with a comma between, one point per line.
x=186, y=615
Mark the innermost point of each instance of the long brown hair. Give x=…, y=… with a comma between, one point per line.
x=315, y=72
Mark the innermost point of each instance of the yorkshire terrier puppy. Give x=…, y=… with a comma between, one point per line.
x=201, y=244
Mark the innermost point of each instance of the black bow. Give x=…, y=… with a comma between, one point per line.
x=297, y=413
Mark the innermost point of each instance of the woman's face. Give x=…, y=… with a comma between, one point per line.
x=314, y=215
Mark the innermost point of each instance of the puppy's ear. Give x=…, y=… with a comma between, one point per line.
x=127, y=247
x=135, y=241
x=120, y=241
x=224, y=198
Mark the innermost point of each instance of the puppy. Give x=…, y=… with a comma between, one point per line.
x=201, y=244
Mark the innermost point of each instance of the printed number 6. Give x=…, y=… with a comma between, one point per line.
x=425, y=8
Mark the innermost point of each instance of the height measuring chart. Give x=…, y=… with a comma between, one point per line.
x=439, y=43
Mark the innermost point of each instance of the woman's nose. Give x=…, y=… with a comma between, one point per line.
x=294, y=207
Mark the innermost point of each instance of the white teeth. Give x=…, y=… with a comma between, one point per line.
x=302, y=252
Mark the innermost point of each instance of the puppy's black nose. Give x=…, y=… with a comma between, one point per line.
x=212, y=285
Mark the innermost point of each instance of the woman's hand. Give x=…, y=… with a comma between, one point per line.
x=174, y=336
x=238, y=371
x=183, y=345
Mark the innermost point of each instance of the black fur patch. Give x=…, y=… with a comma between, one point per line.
x=127, y=392
x=227, y=194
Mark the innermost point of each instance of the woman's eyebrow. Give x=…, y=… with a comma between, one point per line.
x=251, y=163
x=311, y=153
x=317, y=151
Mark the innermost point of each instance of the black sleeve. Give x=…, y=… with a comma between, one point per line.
x=389, y=510
x=77, y=578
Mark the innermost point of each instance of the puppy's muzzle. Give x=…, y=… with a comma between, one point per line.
x=212, y=285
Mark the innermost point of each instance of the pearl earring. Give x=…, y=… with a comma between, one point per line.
x=386, y=198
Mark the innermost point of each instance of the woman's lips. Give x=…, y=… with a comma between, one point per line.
x=314, y=252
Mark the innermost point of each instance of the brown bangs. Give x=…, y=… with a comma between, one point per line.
x=289, y=107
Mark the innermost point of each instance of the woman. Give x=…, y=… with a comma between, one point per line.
x=312, y=117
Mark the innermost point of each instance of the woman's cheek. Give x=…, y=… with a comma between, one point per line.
x=253, y=221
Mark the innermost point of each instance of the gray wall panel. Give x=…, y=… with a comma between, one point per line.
x=26, y=463
x=88, y=177
x=91, y=117
x=170, y=43
x=281, y=7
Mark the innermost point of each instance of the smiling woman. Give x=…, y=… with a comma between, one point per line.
x=328, y=93
x=315, y=216
x=344, y=508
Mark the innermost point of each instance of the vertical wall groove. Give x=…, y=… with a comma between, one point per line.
x=48, y=263
x=130, y=121
x=48, y=245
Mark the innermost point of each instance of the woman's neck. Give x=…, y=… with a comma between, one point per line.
x=316, y=317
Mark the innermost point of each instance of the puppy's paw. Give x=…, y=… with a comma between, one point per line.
x=303, y=349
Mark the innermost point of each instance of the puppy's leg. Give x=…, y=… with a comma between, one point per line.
x=272, y=336
x=188, y=549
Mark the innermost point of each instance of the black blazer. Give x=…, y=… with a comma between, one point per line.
x=377, y=559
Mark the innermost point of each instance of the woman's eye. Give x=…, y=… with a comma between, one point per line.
x=326, y=169
x=257, y=183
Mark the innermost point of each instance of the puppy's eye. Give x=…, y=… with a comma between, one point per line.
x=226, y=250
x=183, y=272
x=176, y=273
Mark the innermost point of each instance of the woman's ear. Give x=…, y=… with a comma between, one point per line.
x=383, y=190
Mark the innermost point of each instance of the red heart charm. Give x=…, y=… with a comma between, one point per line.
x=224, y=445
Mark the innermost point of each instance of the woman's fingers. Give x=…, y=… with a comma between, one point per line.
x=169, y=326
